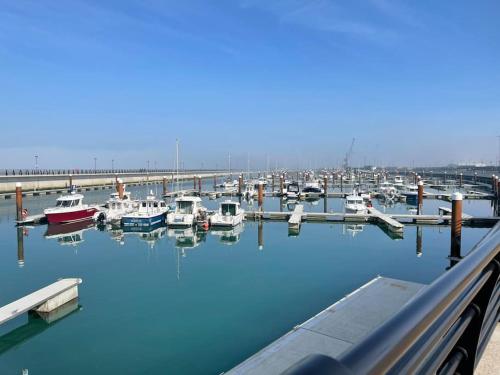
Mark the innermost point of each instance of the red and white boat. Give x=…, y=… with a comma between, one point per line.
x=69, y=208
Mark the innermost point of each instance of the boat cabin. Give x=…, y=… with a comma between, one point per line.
x=229, y=208
x=69, y=200
x=187, y=205
x=354, y=199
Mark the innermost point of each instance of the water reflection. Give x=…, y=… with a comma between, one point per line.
x=419, y=241
x=260, y=235
x=151, y=235
x=187, y=238
x=37, y=323
x=352, y=229
x=70, y=234
x=229, y=236
x=20, y=246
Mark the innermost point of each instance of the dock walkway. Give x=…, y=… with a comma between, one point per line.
x=335, y=329
x=389, y=222
x=296, y=217
x=45, y=299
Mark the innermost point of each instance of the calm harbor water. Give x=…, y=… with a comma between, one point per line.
x=191, y=303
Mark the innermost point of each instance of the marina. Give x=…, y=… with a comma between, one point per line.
x=249, y=187
x=316, y=226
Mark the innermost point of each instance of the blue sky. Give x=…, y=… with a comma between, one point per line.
x=289, y=81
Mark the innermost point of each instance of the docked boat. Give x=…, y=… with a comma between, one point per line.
x=411, y=194
x=249, y=191
x=354, y=204
x=398, y=183
x=312, y=187
x=293, y=190
x=230, y=214
x=230, y=185
x=187, y=211
x=387, y=191
x=117, y=207
x=70, y=208
x=151, y=212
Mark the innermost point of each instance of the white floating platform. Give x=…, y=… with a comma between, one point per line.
x=43, y=300
x=335, y=329
x=296, y=217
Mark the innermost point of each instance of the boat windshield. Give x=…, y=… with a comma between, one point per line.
x=184, y=207
x=66, y=203
x=228, y=209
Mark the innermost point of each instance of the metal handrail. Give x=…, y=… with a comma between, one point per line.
x=455, y=314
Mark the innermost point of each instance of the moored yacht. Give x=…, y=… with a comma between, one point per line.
x=151, y=212
x=387, y=191
x=354, y=204
x=292, y=190
x=411, y=193
x=230, y=214
x=70, y=208
x=187, y=211
x=398, y=182
x=312, y=187
x=118, y=206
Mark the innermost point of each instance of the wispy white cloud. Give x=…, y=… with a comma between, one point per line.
x=354, y=18
x=397, y=10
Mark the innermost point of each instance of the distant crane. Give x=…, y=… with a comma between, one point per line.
x=348, y=155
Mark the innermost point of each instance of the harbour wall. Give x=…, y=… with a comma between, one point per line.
x=59, y=181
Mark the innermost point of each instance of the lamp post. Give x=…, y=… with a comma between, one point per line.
x=95, y=165
x=112, y=165
x=36, y=164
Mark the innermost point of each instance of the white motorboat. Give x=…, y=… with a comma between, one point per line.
x=117, y=207
x=187, y=211
x=399, y=183
x=293, y=190
x=354, y=204
x=312, y=187
x=230, y=214
x=388, y=191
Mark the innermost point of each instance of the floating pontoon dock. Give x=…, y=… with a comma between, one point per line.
x=335, y=329
x=43, y=300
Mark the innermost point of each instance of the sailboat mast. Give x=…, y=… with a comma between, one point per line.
x=177, y=161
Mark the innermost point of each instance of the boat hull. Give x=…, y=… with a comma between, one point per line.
x=147, y=221
x=70, y=216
